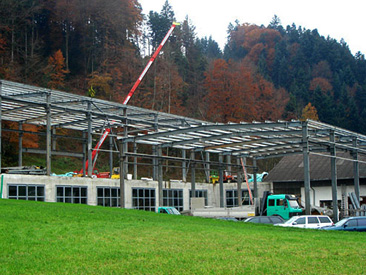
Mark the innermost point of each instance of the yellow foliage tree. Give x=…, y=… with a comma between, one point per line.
x=309, y=112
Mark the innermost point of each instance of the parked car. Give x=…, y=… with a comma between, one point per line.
x=308, y=221
x=349, y=224
x=266, y=219
x=228, y=219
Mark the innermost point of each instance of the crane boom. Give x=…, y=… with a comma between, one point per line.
x=151, y=61
x=137, y=83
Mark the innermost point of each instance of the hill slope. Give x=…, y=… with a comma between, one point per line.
x=65, y=238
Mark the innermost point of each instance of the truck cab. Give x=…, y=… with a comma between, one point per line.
x=168, y=210
x=282, y=205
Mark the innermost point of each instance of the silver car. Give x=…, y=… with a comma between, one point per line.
x=307, y=221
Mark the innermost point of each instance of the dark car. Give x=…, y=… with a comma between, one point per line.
x=349, y=224
x=228, y=219
x=266, y=219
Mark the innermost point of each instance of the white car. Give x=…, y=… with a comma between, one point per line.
x=307, y=222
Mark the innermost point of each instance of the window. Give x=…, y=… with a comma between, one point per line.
x=108, y=196
x=26, y=192
x=271, y=202
x=173, y=197
x=324, y=220
x=199, y=194
x=280, y=202
x=276, y=219
x=143, y=198
x=72, y=194
x=265, y=220
x=232, y=197
x=352, y=223
x=361, y=222
x=313, y=220
x=300, y=221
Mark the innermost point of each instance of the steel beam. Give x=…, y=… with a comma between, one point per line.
x=56, y=153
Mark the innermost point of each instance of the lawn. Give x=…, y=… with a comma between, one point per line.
x=53, y=238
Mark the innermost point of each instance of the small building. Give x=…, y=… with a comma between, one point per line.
x=288, y=177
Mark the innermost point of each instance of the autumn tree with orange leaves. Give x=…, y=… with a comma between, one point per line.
x=236, y=93
x=55, y=71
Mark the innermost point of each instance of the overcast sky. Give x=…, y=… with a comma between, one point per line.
x=336, y=18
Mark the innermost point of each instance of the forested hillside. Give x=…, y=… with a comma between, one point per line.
x=99, y=48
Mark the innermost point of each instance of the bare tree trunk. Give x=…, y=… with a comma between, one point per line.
x=12, y=42
x=67, y=45
x=32, y=38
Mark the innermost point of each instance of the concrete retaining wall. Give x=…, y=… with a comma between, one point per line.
x=50, y=184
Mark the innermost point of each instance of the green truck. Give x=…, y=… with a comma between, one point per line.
x=282, y=205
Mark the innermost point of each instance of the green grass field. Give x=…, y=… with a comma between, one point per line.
x=53, y=238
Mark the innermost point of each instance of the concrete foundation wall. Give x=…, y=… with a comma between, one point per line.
x=51, y=182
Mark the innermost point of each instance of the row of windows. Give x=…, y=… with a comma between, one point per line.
x=72, y=194
x=232, y=198
x=26, y=192
x=142, y=198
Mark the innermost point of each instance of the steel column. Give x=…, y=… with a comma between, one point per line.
x=305, y=151
x=239, y=181
x=135, y=161
x=193, y=175
x=228, y=162
x=1, y=84
x=89, y=146
x=160, y=176
x=20, y=145
x=184, y=167
x=122, y=174
x=333, y=168
x=48, y=134
x=110, y=156
x=221, y=179
x=255, y=185
x=356, y=170
x=154, y=162
x=54, y=143
x=207, y=165
x=125, y=149
x=84, y=155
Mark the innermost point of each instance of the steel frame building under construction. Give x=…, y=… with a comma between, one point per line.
x=231, y=142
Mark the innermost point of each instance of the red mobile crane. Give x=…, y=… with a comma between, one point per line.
x=138, y=81
x=128, y=97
